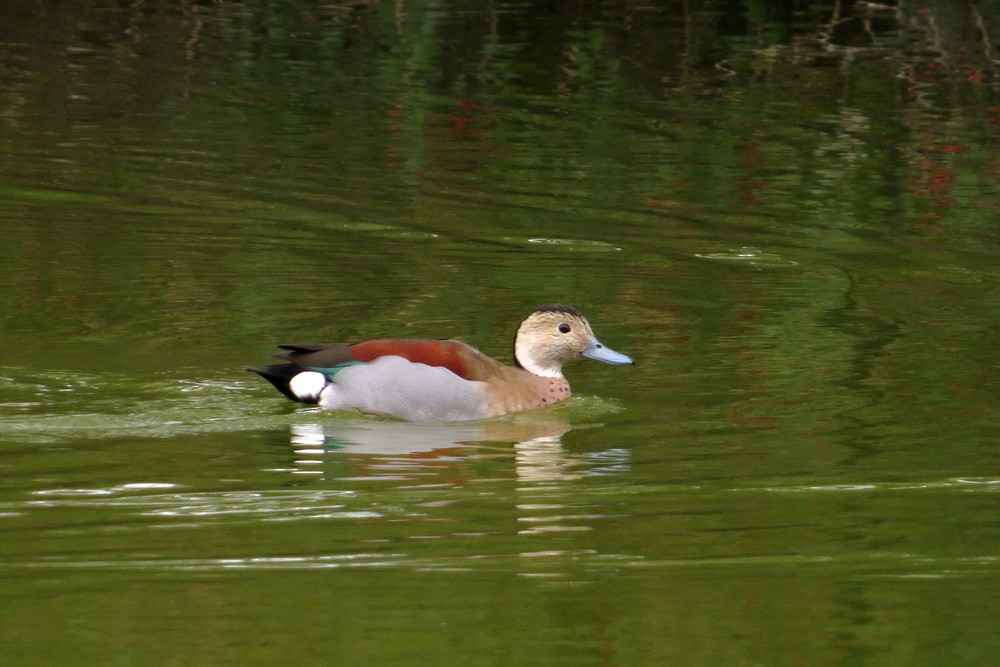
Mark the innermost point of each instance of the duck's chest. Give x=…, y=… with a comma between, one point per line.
x=526, y=393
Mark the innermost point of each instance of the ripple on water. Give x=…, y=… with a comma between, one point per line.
x=383, y=230
x=966, y=484
x=748, y=256
x=568, y=245
x=114, y=406
x=564, y=566
x=270, y=504
x=87, y=493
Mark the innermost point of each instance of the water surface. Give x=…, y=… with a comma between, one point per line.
x=788, y=218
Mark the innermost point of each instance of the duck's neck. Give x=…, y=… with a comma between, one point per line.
x=542, y=370
x=525, y=360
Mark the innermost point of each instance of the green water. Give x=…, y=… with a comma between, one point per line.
x=788, y=217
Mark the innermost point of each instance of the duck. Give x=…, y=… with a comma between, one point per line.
x=442, y=380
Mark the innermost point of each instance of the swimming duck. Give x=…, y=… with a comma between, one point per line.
x=442, y=380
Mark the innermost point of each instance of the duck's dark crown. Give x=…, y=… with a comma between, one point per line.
x=559, y=308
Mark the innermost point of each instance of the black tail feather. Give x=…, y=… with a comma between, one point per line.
x=279, y=375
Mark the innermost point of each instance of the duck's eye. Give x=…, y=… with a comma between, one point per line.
x=564, y=328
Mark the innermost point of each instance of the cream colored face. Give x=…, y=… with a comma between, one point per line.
x=550, y=337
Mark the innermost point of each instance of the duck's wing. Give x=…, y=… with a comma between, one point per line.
x=461, y=359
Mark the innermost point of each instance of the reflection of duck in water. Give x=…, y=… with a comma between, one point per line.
x=392, y=438
x=442, y=380
x=379, y=448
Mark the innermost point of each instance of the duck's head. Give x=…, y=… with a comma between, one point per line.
x=552, y=335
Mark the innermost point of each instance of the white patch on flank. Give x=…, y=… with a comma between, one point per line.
x=307, y=385
x=392, y=385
